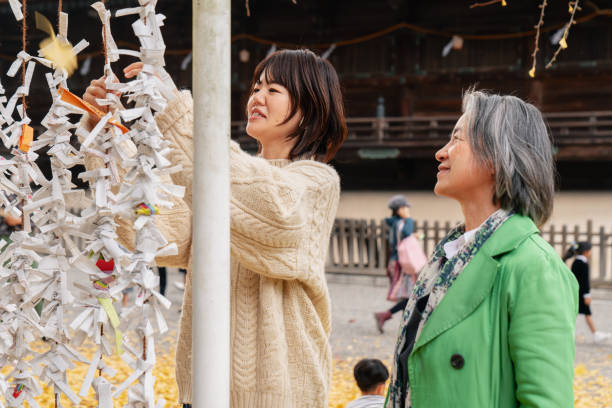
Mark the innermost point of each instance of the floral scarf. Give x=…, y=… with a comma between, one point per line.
x=435, y=279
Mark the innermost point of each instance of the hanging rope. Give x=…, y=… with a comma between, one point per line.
x=419, y=29
x=59, y=22
x=59, y=15
x=104, y=46
x=488, y=3
x=411, y=27
x=24, y=28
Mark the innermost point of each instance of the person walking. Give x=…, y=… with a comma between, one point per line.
x=491, y=320
x=282, y=208
x=400, y=226
x=581, y=252
x=163, y=279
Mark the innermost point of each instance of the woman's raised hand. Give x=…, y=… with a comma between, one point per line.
x=95, y=90
x=169, y=90
x=133, y=69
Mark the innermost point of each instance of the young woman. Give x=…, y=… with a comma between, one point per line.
x=282, y=208
x=581, y=252
x=490, y=322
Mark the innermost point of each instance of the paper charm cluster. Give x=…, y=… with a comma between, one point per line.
x=36, y=263
x=21, y=283
x=131, y=180
x=134, y=183
x=146, y=187
x=103, y=259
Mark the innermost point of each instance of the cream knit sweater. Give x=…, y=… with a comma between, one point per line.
x=281, y=216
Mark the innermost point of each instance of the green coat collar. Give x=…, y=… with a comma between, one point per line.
x=475, y=282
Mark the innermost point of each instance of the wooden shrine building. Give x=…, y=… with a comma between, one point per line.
x=402, y=95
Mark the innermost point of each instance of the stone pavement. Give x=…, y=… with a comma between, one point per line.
x=354, y=333
x=356, y=298
x=354, y=336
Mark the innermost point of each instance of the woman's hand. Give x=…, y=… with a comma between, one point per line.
x=133, y=69
x=587, y=300
x=169, y=93
x=95, y=90
x=12, y=221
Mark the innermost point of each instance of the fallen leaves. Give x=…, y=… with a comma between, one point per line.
x=165, y=384
x=592, y=389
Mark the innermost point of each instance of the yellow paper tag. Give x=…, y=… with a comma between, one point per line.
x=107, y=305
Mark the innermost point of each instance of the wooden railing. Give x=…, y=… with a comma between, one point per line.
x=566, y=128
x=359, y=246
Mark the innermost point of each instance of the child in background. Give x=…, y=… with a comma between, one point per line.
x=580, y=268
x=371, y=376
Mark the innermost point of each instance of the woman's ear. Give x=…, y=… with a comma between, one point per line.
x=491, y=168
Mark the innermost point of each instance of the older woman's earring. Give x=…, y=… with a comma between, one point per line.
x=301, y=121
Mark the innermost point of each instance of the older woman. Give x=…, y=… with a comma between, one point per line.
x=491, y=320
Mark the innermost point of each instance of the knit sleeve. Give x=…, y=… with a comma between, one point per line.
x=174, y=223
x=275, y=213
x=176, y=124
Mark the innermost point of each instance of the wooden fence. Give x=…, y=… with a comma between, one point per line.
x=359, y=246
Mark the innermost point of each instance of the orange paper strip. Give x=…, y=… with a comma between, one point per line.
x=26, y=138
x=72, y=99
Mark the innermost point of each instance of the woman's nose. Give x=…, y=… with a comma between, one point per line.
x=258, y=98
x=442, y=154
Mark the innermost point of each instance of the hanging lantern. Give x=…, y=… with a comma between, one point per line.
x=244, y=55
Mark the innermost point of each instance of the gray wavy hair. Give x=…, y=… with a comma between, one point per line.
x=511, y=136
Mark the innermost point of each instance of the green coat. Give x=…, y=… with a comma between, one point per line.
x=503, y=335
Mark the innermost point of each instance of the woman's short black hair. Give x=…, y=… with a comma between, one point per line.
x=314, y=88
x=369, y=373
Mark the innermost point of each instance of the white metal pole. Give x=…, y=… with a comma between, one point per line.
x=211, y=280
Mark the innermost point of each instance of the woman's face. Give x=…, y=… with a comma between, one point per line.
x=460, y=176
x=267, y=108
x=403, y=212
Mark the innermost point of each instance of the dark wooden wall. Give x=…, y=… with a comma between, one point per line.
x=404, y=67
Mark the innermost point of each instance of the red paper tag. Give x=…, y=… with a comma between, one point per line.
x=106, y=266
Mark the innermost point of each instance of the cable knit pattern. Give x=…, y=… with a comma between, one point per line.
x=281, y=216
x=179, y=233
x=179, y=116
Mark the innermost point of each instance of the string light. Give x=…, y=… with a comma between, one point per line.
x=573, y=7
x=488, y=3
x=361, y=39
x=536, y=48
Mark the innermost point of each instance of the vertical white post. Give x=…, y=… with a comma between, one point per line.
x=211, y=279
